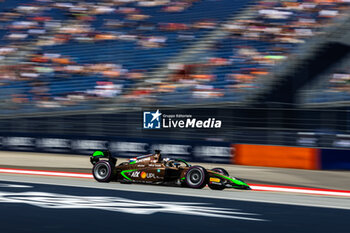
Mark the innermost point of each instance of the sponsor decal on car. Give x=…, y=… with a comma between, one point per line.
x=142, y=160
x=154, y=165
x=145, y=175
x=212, y=179
x=135, y=174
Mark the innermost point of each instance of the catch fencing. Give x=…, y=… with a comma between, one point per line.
x=122, y=132
x=328, y=128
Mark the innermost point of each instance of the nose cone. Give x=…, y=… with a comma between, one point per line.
x=248, y=188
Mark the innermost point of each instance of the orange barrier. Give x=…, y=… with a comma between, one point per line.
x=276, y=156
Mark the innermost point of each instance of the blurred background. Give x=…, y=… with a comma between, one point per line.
x=75, y=76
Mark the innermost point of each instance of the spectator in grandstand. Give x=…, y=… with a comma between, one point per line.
x=106, y=90
x=340, y=81
x=41, y=25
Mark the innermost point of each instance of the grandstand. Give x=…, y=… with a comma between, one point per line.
x=74, y=55
x=82, y=68
x=88, y=49
x=330, y=88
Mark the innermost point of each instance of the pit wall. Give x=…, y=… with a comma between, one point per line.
x=193, y=151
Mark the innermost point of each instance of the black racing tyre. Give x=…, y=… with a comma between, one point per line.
x=220, y=170
x=218, y=186
x=196, y=177
x=103, y=171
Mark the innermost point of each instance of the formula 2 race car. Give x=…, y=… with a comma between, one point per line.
x=153, y=169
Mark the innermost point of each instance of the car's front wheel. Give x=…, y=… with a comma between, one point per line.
x=218, y=186
x=196, y=177
x=220, y=170
x=103, y=171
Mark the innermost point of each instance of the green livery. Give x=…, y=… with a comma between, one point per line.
x=153, y=169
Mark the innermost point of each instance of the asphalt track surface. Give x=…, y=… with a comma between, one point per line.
x=54, y=204
x=259, y=175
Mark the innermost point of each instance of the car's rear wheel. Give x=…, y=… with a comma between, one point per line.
x=103, y=171
x=196, y=177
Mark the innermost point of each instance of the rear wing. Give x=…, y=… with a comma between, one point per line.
x=97, y=155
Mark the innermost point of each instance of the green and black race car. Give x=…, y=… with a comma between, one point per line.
x=153, y=169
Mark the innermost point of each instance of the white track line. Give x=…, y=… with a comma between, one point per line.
x=236, y=196
x=302, y=191
x=46, y=173
x=255, y=187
